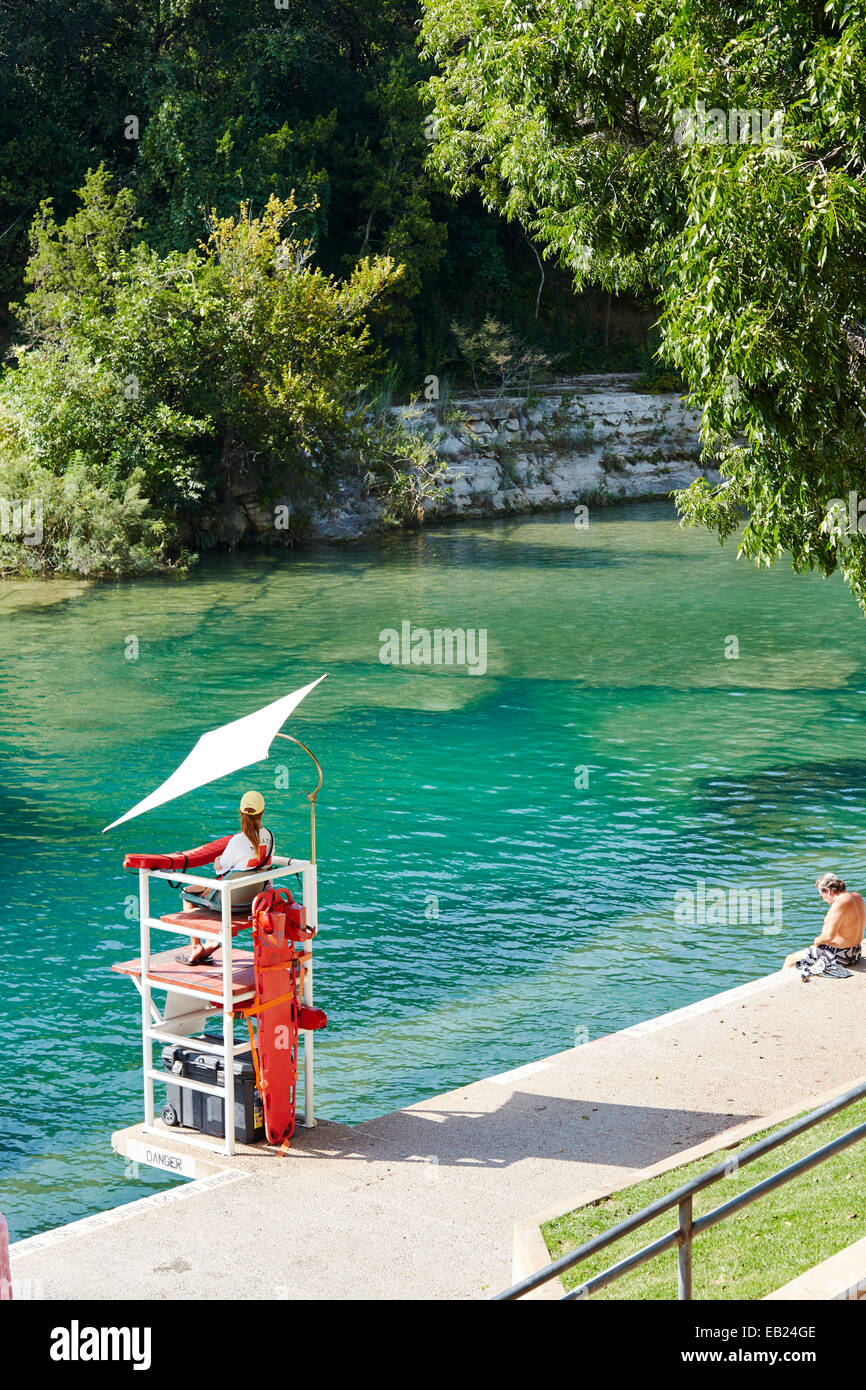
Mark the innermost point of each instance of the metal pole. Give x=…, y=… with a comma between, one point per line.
x=672, y=1199
x=228, y=1024
x=146, y=1000
x=311, y=796
x=684, y=1254
x=5, y=1269
x=784, y=1175
x=608, y=1276
x=311, y=903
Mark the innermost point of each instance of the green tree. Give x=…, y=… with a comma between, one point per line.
x=193, y=388
x=235, y=102
x=591, y=124
x=67, y=69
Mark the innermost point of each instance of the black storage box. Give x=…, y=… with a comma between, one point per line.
x=197, y=1109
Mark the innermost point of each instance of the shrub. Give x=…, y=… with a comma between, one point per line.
x=151, y=392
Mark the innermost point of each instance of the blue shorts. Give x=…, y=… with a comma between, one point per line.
x=210, y=897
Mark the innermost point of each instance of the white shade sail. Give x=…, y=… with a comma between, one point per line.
x=224, y=750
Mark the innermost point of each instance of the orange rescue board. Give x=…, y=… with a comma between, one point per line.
x=277, y=978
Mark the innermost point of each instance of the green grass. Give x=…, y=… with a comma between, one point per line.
x=750, y=1254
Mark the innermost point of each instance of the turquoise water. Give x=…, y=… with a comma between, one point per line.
x=445, y=792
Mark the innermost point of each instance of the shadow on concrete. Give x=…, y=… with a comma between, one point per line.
x=525, y=1126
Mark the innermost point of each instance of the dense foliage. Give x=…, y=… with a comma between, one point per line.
x=170, y=400
x=201, y=104
x=573, y=119
x=144, y=400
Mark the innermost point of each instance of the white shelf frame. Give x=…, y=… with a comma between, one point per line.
x=155, y=1027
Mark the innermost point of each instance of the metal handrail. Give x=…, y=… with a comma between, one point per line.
x=681, y=1198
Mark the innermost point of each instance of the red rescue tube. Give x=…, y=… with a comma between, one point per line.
x=310, y=1018
x=181, y=860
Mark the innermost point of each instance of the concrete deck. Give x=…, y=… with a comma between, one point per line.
x=424, y=1202
x=841, y=1277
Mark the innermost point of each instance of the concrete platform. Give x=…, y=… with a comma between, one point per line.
x=841, y=1277
x=424, y=1202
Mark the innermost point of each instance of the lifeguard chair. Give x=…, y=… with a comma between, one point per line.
x=234, y=982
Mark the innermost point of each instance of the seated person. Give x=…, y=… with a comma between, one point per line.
x=252, y=848
x=840, y=941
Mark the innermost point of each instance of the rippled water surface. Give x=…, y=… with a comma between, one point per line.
x=498, y=854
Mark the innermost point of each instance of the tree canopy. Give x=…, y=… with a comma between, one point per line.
x=179, y=390
x=203, y=104
x=622, y=134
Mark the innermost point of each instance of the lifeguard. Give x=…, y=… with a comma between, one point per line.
x=250, y=849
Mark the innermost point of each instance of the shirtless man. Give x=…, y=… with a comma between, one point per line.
x=842, y=933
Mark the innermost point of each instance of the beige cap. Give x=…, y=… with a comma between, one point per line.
x=253, y=802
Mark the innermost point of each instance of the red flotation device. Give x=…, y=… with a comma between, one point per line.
x=278, y=922
x=180, y=860
x=5, y=1272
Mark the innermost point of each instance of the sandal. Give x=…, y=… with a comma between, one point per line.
x=185, y=957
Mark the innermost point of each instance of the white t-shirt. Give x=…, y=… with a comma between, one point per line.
x=240, y=854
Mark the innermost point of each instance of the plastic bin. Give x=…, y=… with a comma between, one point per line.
x=205, y=1113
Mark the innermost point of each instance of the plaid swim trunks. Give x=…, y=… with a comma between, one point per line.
x=828, y=960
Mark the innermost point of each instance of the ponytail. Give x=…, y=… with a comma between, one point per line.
x=251, y=827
